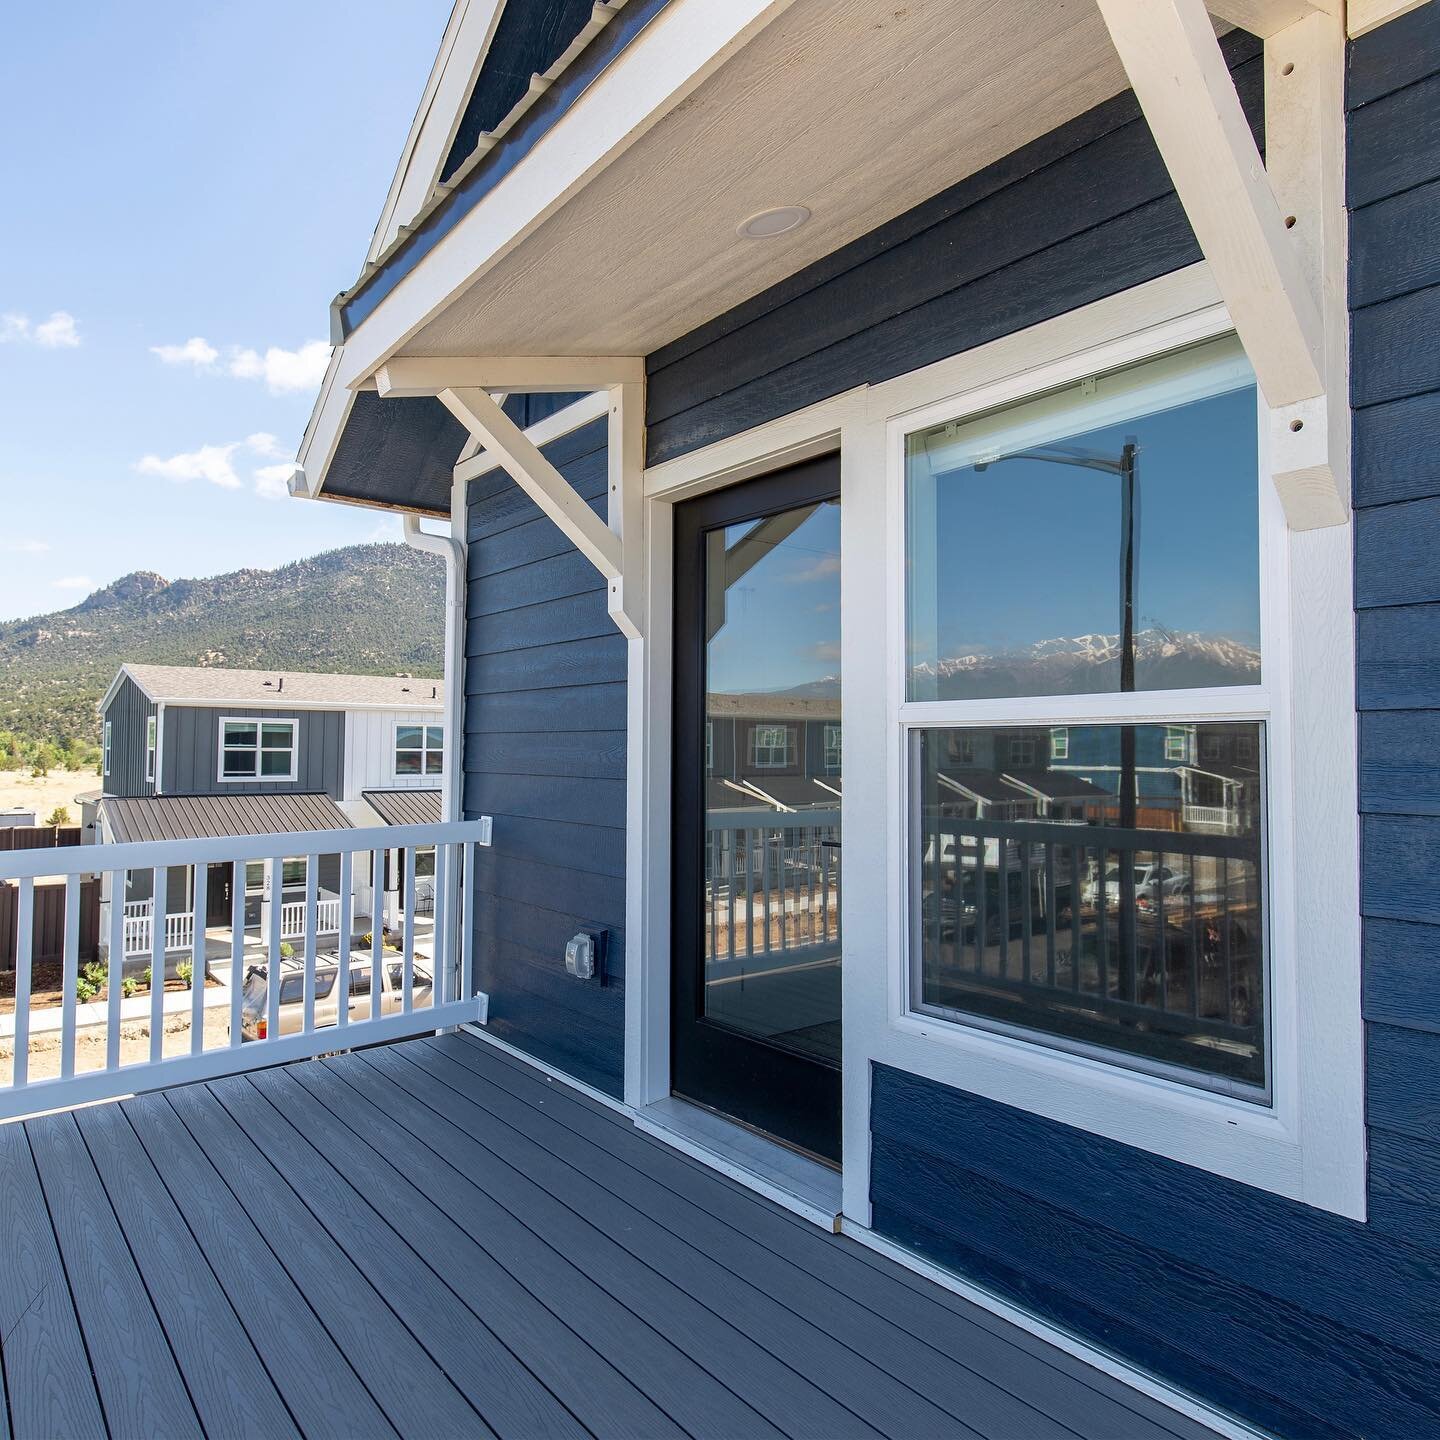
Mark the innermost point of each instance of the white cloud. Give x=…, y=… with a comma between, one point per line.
x=272, y=482
x=56, y=333
x=265, y=444
x=209, y=462
x=196, y=351
x=216, y=463
x=285, y=372
x=74, y=582
x=23, y=547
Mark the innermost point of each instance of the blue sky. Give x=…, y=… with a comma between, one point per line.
x=182, y=173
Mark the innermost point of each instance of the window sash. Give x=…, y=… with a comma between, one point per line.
x=419, y=750
x=258, y=749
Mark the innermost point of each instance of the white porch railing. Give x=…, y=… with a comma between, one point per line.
x=1212, y=817
x=139, y=928
x=274, y=1007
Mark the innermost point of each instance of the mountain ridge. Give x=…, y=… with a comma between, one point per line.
x=374, y=609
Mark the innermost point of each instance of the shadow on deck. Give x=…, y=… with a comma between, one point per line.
x=431, y=1238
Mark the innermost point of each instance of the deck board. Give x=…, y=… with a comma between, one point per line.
x=435, y=1238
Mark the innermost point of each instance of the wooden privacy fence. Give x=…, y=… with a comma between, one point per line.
x=49, y=937
x=39, y=837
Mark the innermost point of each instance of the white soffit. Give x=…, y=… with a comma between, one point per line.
x=856, y=111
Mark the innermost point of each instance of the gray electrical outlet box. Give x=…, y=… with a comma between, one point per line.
x=585, y=955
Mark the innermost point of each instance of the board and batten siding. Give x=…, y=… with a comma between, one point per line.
x=127, y=712
x=370, y=751
x=1303, y=1322
x=545, y=756
x=190, y=752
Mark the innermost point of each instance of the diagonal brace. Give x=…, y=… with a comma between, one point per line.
x=537, y=477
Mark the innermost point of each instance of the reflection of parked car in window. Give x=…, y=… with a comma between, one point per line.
x=1150, y=882
x=253, y=1013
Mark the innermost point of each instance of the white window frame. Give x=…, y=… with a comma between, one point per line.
x=293, y=721
x=1059, y=742
x=152, y=746
x=425, y=751
x=1177, y=737
x=105, y=768
x=1309, y=1143
x=832, y=748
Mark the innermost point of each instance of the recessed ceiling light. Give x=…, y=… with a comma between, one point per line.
x=766, y=224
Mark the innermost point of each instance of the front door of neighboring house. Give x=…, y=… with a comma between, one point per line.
x=219, y=888
x=755, y=1026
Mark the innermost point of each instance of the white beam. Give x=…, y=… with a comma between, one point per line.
x=537, y=477
x=1268, y=17
x=626, y=463
x=1363, y=16
x=538, y=374
x=593, y=407
x=1175, y=65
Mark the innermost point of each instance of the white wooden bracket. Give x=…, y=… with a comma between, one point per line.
x=1274, y=240
x=1268, y=17
x=615, y=546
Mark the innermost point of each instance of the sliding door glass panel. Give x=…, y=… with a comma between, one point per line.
x=771, y=902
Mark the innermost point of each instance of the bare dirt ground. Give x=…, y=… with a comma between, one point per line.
x=134, y=1044
x=59, y=787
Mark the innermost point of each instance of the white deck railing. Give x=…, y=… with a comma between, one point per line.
x=343, y=996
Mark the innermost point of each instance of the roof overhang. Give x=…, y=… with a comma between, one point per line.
x=404, y=807
x=215, y=817
x=610, y=229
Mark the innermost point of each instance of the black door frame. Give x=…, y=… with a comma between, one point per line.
x=792, y=1097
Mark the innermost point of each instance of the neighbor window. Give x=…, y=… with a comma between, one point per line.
x=772, y=747
x=419, y=749
x=832, y=749
x=1100, y=541
x=105, y=768
x=151, y=731
x=257, y=749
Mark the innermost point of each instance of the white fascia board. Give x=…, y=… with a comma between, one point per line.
x=463, y=49
x=665, y=63
x=322, y=432
x=531, y=374
x=271, y=702
x=121, y=675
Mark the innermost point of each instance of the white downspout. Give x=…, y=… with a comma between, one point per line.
x=452, y=548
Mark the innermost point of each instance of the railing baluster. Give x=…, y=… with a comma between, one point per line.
x=237, y=952
x=377, y=930
x=1160, y=929
x=274, y=970
x=70, y=971
x=1002, y=866
x=1102, y=919
x=1050, y=911
x=467, y=922
x=159, y=900
x=1027, y=908
x=343, y=926
x=312, y=925
x=440, y=959
x=24, y=946
x=981, y=902
x=407, y=959
x=197, y=957
x=115, y=979
x=1225, y=928
x=1075, y=887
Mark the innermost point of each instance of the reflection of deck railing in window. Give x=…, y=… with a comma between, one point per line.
x=1146, y=928
x=772, y=888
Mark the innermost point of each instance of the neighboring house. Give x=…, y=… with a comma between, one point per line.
x=899, y=341
x=192, y=751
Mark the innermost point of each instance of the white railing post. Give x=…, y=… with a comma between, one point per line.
x=237, y=952
x=343, y=920
x=116, y=982
x=24, y=946
x=274, y=884
x=70, y=971
x=201, y=886
x=312, y=883
x=377, y=931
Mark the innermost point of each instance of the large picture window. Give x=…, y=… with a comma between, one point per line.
x=419, y=749
x=1093, y=886
x=257, y=749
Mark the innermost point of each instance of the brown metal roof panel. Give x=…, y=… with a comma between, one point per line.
x=210, y=817
x=405, y=807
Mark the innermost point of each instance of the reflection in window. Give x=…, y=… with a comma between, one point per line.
x=1111, y=900
x=772, y=747
x=1103, y=538
x=419, y=749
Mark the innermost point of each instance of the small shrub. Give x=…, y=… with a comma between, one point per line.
x=60, y=815
x=287, y=950
x=90, y=981
x=185, y=972
x=129, y=986
x=145, y=978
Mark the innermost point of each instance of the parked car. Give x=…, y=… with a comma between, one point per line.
x=253, y=1008
x=1151, y=881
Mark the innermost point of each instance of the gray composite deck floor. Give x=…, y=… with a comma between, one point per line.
x=433, y=1239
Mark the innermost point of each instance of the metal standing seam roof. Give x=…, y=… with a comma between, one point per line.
x=201, y=684
x=217, y=817
x=404, y=807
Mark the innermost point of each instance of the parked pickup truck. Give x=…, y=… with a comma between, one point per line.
x=253, y=1005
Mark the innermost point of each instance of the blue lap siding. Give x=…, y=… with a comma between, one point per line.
x=1300, y=1321
x=545, y=755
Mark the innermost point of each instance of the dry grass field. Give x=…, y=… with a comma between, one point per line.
x=59, y=787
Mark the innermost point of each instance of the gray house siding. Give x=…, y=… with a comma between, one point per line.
x=127, y=713
x=190, y=752
x=545, y=755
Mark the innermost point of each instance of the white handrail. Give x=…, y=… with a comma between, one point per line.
x=282, y=1000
